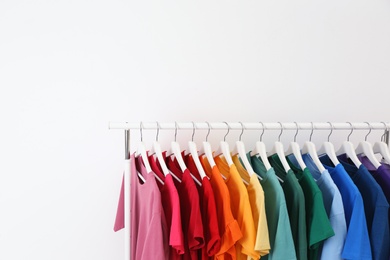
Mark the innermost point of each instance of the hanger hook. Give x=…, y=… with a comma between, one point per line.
x=281, y=131
x=262, y=133
x=296, y=133
x=312, y=130
x=351, y=131
x=365, y=138
x=331, y=130
x=224, y=138
x=176, y=127
x=208, y=132
x=242, y=130
x=140, y=130
x=193, y=131
x=158, y=130
x=386, y=128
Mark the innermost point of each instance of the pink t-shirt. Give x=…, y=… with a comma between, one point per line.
x=171, y=204
x=148, y=224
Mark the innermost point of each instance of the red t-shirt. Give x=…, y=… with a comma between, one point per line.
x=190, y=209
x=208, y=211
x=171, y=204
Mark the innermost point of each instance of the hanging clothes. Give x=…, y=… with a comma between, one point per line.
x=256, y=200
x=190, y=210
x=281, y=240
x=295, y=200
x=149, y=228
x=318, y=225
x=333, y=246
x=208, y=209
x=376, y=208
x=171, y=204
x=229, y=229
x=241, y=209
x=357, y=242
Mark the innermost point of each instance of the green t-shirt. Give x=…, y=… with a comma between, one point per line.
x=317, y=221
x=280, y=237
x=295, y=206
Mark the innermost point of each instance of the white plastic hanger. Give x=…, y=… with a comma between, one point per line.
x=261, y=150
x=176, y=151
x=382, y=148
x=224, y=148
x=240, y=150
x=194, y=153
x=348, y=148
x=141, y=151
x=328, y=149
x=296, y=150
x=207, y=149
x=156, y=150
x=310, y=148
x=279, y=150
x=365, y=148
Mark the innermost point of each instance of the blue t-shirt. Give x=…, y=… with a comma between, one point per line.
x=376, y=208
x=333, y=203
x=357, y=242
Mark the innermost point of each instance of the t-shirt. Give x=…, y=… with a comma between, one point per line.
x=256, y=199
x=381, y=175
x=229, y=230
x=376, y=208
x=190, y=210
x=295, y=206
x=317, y=222
x=171, y=205
x=148, y=225
x=357, y=242
x=334, y=208
x=241, y=209
x=209, y=213
x=280, y=237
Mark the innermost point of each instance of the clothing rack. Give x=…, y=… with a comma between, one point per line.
x=227, y=126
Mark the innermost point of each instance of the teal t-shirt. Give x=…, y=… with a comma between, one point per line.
x=317, y=221
x=295, y=206
x=280, y=236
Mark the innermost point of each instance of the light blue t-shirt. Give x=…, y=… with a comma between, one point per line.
x=357, y=242
x=333, y=246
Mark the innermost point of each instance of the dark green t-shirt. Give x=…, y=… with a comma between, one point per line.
x=280, y=237
x=295, y=206
x=317, y=221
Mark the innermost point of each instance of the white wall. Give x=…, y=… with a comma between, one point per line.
x=69, y=67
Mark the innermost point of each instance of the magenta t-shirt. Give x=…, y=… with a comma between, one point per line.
x=148, y=223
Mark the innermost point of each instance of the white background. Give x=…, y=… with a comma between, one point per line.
x=67, y=68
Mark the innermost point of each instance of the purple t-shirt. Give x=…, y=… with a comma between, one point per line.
x=381, y=175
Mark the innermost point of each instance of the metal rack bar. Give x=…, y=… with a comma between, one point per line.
x=251, y=125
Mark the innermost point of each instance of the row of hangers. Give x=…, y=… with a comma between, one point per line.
x=365, y=148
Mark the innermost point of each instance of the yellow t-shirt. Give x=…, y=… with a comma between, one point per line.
x=256, y=199
x=241, y=210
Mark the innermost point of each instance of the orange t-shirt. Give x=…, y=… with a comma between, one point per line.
x=241, y=209
x=228, y=227
x=256, y=199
